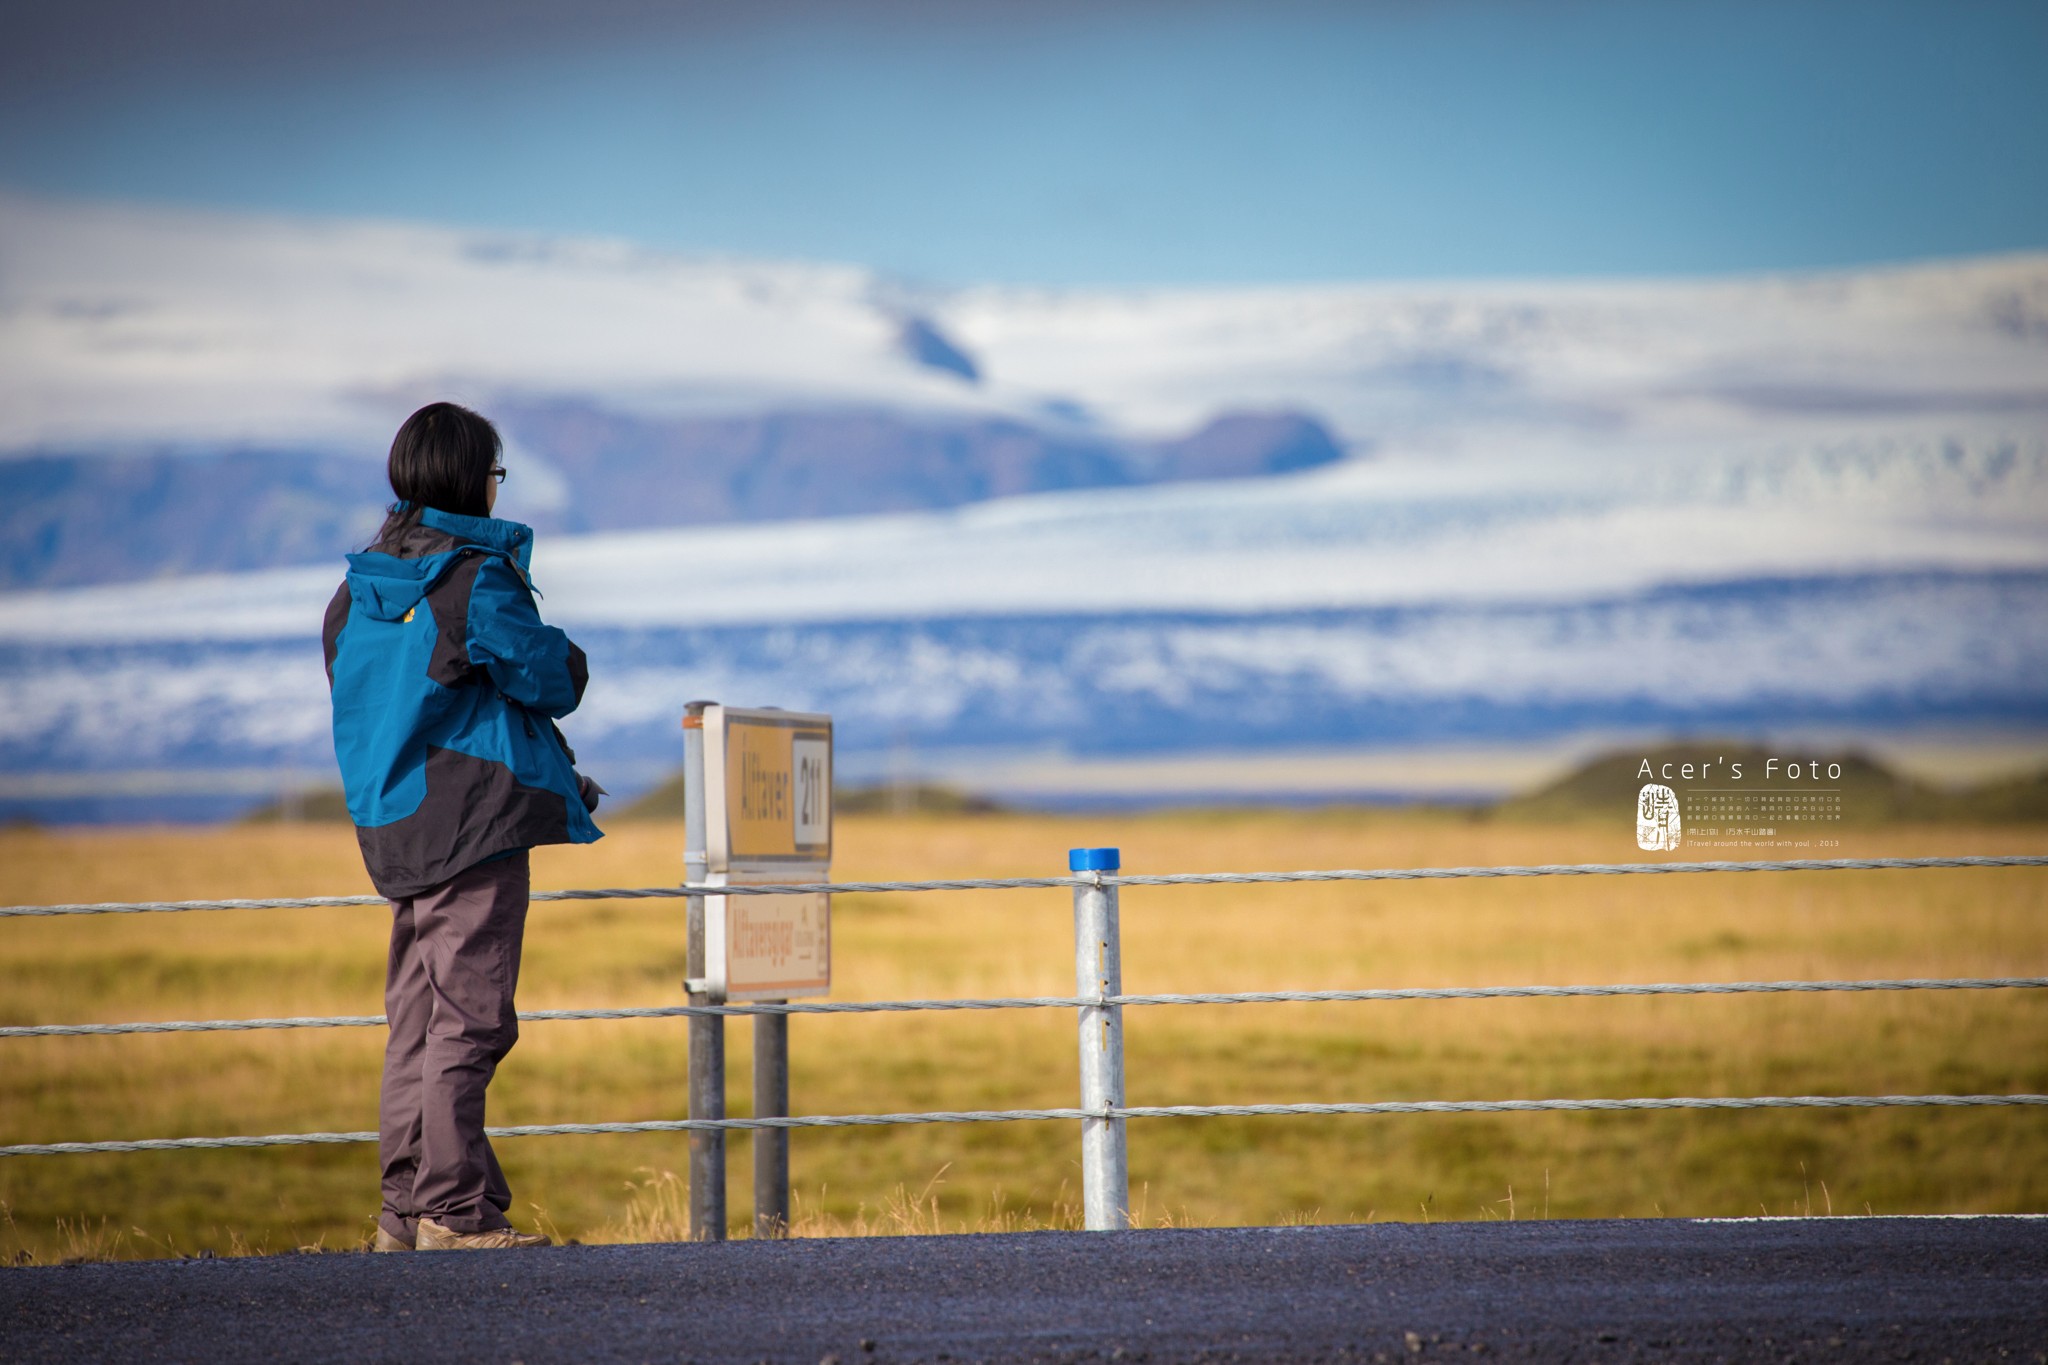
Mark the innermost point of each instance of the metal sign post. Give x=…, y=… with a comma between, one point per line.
x=707, y=1032
x=1098, y=975
x=762, y=779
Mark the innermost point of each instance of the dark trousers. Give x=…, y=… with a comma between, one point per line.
x=448, y=996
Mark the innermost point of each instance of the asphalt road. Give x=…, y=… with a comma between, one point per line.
x=1834, y=1289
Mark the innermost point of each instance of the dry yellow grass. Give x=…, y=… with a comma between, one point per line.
x=1024, y=1175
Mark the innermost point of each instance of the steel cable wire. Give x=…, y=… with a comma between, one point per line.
x=1072, y=1002
x=1383, y=874
x=1027, y=1115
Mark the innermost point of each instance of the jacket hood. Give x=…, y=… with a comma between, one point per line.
x=509, y=538
x=385, y=586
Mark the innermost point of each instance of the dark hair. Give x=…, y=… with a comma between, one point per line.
x=441, y=458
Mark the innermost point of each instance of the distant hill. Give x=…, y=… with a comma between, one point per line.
x=74, y=518
x=2016, y=799
x=71, y=519
x=324, y=805
x=1869, y=792
x=622, y=472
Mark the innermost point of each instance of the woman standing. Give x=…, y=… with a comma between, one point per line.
x=446, y=685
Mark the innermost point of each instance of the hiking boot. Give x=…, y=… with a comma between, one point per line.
x=434, y=1237
x=386, y=1242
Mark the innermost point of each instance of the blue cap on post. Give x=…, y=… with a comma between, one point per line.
x=1094, y=859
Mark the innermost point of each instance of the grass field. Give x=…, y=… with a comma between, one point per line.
x=1204, y=1171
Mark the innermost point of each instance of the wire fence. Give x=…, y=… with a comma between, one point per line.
x=1109, y=1000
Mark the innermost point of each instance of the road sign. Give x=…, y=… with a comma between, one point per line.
x=768, y=818
x=768, y=776
x=772, y=947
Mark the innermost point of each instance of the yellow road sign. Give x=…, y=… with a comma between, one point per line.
x=770, y=780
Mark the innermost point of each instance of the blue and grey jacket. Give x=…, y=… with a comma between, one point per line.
x=446, y=684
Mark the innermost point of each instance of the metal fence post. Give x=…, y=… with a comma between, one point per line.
x=1098, y=972
x=771, y=1145
x=707, y=1032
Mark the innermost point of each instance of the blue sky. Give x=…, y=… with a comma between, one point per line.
x=1077, y=144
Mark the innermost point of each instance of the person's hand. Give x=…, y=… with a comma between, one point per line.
x=591, y=793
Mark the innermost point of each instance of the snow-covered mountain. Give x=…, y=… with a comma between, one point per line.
x=183, y=393
x=149, y=327
x=1756, y=504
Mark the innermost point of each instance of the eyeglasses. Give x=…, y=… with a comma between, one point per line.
x=498, y=472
